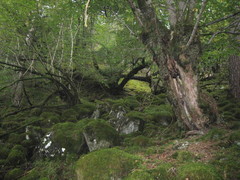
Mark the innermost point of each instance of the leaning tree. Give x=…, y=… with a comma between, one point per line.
x=173, y=40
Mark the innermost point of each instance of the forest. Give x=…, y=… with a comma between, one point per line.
x=120, y=89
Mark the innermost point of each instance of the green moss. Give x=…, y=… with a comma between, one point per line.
x=32, y=175
x=235, y=137
x=150, y=129
x=159, y=99
x=135, y=86
x=139, y=174
x=48, y=119
x=55, y=169
x=131, y=102
x=85, y=109
x=162, y=172
x=114, y=104
x=106, y=164
x=15, y=138
x=68, y=136
x=69, y=113
x=102, y=131
x=14, y=174
x=46, y=115
x=228, y=163
x=150, y=151
x=214, y=134
x=135, y=115
x=141, y=141
x=16, y=157
x=198, y=171
x=158, y=113
x=35, y=112
x=183, y=156
x=4, y=152
x=237, y=114
x=10, y=124
x=20, y=148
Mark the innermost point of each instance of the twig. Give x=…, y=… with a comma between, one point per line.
x=85, y=14
x=197, y=23
x=221, y=19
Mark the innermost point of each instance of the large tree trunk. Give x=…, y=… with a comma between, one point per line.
x=175, y=60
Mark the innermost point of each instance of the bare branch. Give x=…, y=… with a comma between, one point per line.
x=135, y=10
x=197, y=23
x=221, y=19
x=85, y=14
x=131, y=31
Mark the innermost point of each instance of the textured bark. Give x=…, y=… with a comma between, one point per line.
x=18, y=92
x=234, y=75
x=176, y=61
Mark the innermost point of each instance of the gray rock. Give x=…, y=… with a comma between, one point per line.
x=180, y=145
x=121, y=122
x=94, y=144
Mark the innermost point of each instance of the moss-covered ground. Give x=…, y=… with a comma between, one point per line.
x=159, y=150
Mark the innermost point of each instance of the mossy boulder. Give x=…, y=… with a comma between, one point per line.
x=62, y=138
x=14, y=174
x=183, y=156
x=106, y=164
x=15, y=138
x=99, y=134
x=20, y=148
x=85, y=109
x=124, y=122
x=48, y=119
x=69, y=115
x=16, y=157
x=198, y=171
x=4, y=151
x=32, y=175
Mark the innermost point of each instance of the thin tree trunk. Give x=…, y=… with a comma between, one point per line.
x=234, y=75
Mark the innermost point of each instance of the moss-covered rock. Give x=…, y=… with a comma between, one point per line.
x=106, y=164
x=67, y=135
x=99, y=134
x=32, y=175
x=69, y=114
x=15, y=138
x=14, y=174
x=198, y=171
x=48, y=119
x=85, y=109
x=16, y=157
x=20, y=148
x=4, y=151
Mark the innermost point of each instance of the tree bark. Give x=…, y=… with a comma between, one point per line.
x=175, y=60
x=234, y=75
